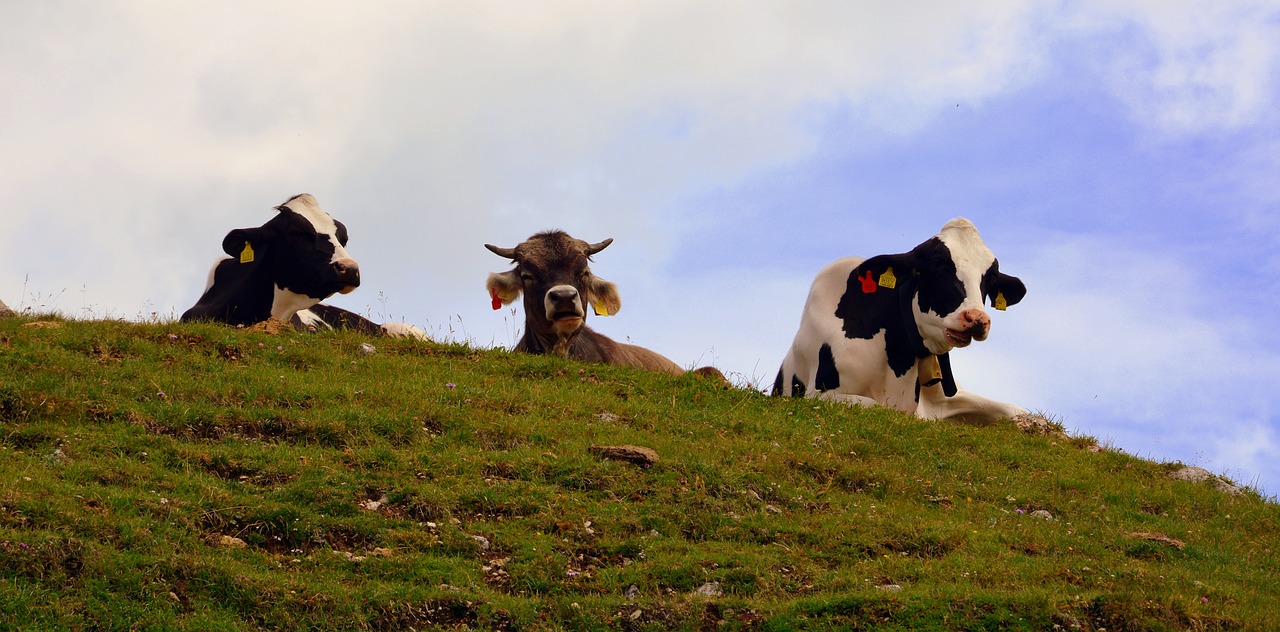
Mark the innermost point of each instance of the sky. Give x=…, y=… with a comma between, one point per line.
x=1121, y=157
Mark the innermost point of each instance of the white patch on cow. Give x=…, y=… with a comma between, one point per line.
x=287, y=303
x=309, y=319
x=309, y=209
x=405, y=330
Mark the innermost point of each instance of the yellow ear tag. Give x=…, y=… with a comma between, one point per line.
x=887, y=279
x=1000, y=303
x=599, y=308
x=246, y=255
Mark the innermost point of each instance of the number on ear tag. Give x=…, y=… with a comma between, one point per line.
x=246, y=255
x=887, y=279
x=999, y=302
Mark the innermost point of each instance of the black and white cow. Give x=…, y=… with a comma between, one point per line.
x=877, y=331
x=283, y=269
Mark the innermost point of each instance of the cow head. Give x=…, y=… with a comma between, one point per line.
x=553, y=274
x=303, y=251
x=940, y=287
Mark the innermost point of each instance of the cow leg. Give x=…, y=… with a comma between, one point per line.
x=934, y=404
x=846, y=398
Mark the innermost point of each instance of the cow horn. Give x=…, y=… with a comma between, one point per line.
x=509, y=253
x=594, y=248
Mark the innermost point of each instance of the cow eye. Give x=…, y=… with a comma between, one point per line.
x=526, y=277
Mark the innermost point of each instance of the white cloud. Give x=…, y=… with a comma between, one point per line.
x=1187, y=67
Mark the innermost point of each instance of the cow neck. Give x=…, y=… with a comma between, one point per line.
x=551, y=344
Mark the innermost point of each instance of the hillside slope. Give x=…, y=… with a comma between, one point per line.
x=200, y=477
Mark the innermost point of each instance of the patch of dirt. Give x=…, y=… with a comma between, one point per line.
x=271, y=326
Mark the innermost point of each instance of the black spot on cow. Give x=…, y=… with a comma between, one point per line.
x=938, y=284
x=828, y=377
x=868, y=308
x=777, y=385
x=797, y=387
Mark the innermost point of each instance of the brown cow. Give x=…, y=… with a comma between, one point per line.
x=551, y=270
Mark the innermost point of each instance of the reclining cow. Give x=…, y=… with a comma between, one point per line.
x=877, y=331
x=552, y=273
x=282, y=270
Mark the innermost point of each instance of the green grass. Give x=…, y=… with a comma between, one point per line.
x=128, y=450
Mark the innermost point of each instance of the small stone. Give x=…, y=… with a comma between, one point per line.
x=608, y=418
x=889, y=587
x=709, y=589
x=635, y=616
x=632, y=592
x=230, y=542
x=1193, y=474
x=482, y=541
x=366, y=349
x=373, y=505
x=1042, y=515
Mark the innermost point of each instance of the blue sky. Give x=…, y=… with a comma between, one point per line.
x=1121, y=157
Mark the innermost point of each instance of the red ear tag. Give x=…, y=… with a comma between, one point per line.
x=497, y=302
x=868, y=284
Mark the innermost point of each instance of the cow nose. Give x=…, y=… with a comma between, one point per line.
x=975, y=322
x=562, y=294
x=348, y=271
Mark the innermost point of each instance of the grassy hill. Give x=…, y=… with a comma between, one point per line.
x=198, y=477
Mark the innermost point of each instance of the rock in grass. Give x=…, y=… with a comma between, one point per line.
x=709, y=589
x=1193, y=474
x=231, y=542
x=630, y=453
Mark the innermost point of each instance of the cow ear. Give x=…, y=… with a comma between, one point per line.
x=246, y=244
x=604, y=297
x=1008, y=288
x=342, y=233
x=504, y=287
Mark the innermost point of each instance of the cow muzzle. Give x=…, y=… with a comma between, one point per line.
x=974, y=324
x=563, y=306
x=348, y=274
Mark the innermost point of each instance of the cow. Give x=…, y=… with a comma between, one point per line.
x=553, y=274
x=878, y=331
x=282, y=270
